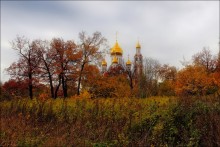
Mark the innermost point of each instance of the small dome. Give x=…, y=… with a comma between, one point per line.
x=128, y=62
x=104, y=63
x=115, y=59
x=138, y=45
x=116, y=49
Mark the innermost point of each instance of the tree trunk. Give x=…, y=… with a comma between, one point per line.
x=131, y=84
x=65, y=90
x=50, y=80
x=64, y=86
x=51, y=86
x=131, y=81
x=80, y=77
x=57, y=88
x=30, y=86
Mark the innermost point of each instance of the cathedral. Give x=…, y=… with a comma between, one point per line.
x=118, y=66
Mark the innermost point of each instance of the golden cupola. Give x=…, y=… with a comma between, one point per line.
x=104, y=63
x=128, y=62
x=138, y=45
x=116, y=49
x=115, y=59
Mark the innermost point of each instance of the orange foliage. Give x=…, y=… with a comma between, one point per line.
x=43, y=97
x=216, y=76
x=194, y=80
x=116, y=86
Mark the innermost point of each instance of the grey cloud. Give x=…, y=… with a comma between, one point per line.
x=167, y=30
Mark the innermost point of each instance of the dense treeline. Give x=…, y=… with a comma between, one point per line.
x=59, y=68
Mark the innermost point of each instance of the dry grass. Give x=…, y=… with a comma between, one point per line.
x=110, y=122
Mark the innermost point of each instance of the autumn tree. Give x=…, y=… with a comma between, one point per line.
x=66, y=56
x=59, y=63
x=110, y=86
x=91, y=74
x=200, y=77
x=216, y=78
x=27, y=65
x=130, y=75
x=14, y=88
x=126, y=71
x=46, y=65
x=89, y=47
x=116, y=70
x=194, y=80
x=205, y=59
x=149, y=80
x=167, y=75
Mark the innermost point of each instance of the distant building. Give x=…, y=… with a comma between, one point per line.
x=118, y=66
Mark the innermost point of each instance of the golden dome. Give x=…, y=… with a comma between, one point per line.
x=116, y=49
x=115, y=59
x=128, y=62
x=104, y=63
x=138, y=45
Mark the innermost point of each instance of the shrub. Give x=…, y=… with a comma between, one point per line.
x=158, y=121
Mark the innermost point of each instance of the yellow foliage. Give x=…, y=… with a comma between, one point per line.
x=85, y=94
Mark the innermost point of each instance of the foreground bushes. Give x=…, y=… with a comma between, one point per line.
x=111, y=122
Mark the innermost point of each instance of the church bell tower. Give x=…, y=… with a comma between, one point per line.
x=138, y=61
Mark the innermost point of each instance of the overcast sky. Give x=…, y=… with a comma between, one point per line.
x=167, y=30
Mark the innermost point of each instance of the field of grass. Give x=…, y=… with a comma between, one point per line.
x=156, y=121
